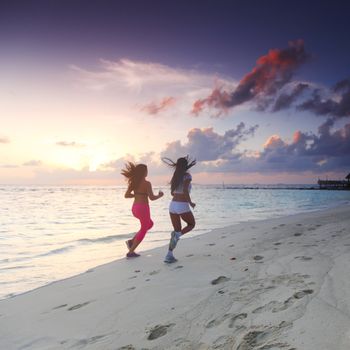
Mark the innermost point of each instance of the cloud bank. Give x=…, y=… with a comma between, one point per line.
x=271, y=73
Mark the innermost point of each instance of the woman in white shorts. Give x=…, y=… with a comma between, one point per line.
x=179, y=207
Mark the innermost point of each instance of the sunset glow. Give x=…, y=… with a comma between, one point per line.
x=77, y=107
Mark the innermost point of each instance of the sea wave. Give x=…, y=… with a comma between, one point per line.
x=104, y=239
x=56, y=251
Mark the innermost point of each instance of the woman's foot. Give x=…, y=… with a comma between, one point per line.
x=132, y=255
x=170, y=258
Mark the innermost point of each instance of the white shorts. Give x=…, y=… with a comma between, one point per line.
x=179, y=207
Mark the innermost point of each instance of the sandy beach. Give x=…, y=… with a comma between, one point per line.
x=274, y=284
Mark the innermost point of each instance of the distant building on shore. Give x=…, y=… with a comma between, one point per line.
x=335, y=184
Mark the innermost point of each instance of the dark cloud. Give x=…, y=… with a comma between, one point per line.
x=329, y=150
x=335, y=104
x=286, y=100
x=271, y=73
x=154, y=108
x=207, y=145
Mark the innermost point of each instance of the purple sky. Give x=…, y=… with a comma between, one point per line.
x=256, y=91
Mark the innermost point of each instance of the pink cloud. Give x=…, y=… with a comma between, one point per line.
x=272, y=71
x=154, y=108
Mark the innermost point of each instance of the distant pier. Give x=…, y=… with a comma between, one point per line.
x=335, y=184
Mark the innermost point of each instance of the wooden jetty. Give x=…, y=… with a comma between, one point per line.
x=335, y=184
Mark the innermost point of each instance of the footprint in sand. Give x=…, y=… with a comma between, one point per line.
x=267, y=307
x=233, y=318
x=127, y=347
x=178, y=267
x=264, y=338
x=60, y=306
x=277, y=243
x=154, y=272
x=78, y=306
x=258, y=257
x=303, y=258
x=220, y=279
x=88, y=341
x=159, y=331
x=301, y=294
x=211, y=244
x=297, y=234
x=290, y=301
x=131, y=288
x=189, y=255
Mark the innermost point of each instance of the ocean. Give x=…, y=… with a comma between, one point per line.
x=49, y=233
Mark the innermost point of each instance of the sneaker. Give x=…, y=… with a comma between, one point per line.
x=173, y=240
x=169, y=259
x=132, y=255
x=128, y=243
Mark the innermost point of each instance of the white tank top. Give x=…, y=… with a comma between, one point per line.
x=180, y=189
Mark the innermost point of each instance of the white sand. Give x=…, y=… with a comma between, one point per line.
x=288, y=288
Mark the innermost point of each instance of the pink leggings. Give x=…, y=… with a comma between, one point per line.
x=142, y=212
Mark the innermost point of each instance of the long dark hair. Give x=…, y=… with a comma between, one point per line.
x=134, y=174
x=181, y=166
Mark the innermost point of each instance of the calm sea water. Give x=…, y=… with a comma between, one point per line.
x=49, y=233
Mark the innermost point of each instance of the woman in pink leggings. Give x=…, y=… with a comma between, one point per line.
x=140, y=190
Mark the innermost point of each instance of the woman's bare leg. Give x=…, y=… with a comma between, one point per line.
x=190, y=221
x=176, y=221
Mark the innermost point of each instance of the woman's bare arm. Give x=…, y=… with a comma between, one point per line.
x=187, y=193
x=128, y=193
x=151, y=195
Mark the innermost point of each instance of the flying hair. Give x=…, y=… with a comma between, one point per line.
x=134, y=174
x=181, y=166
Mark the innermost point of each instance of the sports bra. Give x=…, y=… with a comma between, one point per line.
x=180, y=189
x=141, y=193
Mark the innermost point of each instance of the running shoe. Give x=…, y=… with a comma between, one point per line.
x=173, y=240
x=170, y=259
x=132, y=255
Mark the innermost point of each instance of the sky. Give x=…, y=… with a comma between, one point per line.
x=255, y=91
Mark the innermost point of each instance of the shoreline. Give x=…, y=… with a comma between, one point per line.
x=192, y=235
x=243, y=286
